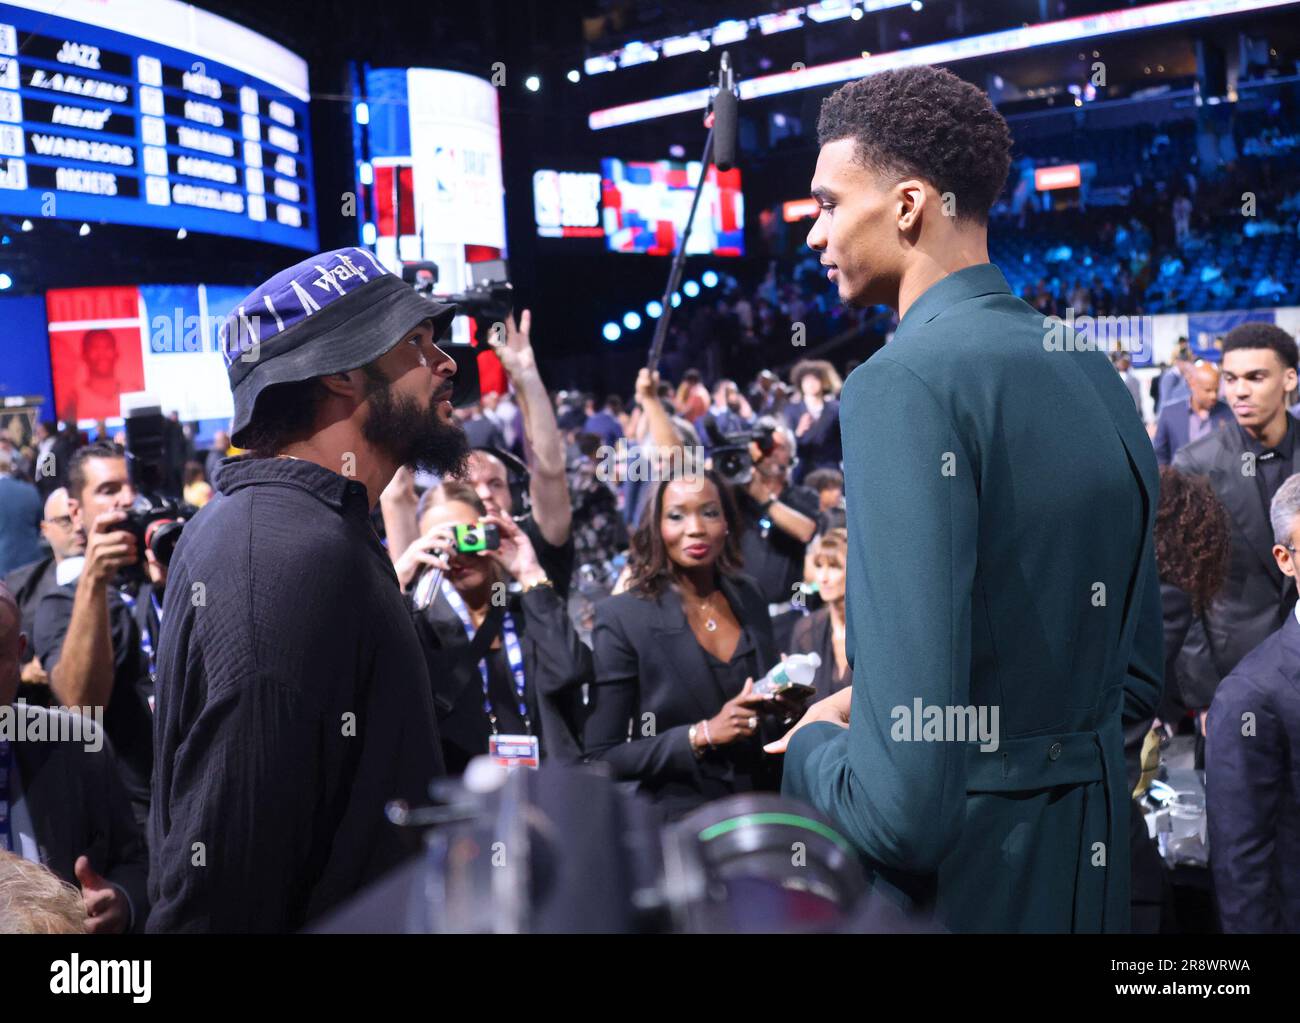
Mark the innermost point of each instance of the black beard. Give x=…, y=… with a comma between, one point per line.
x=414, y=437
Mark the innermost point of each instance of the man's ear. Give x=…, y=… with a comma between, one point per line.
x=345, y=385
x=911, y=203
x=1285, y=560
x=74, y=513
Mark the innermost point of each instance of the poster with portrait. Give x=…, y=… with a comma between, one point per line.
x=95, y=350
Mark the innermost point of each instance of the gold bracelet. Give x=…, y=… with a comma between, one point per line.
x=540, y=582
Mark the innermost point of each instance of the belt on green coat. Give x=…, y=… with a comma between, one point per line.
x=1067, y=759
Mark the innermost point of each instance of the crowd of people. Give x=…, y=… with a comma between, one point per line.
x=387, y=588
x=618, y=589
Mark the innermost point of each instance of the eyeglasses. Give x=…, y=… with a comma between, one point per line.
x=62, y=521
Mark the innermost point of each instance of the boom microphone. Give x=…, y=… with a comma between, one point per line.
x=724, y=117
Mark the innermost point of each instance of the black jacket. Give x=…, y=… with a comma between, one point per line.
x=78, y=807
x=292, y=704
x=556, y=665
x=653, y=682
x=812, y=635
x=1255, y=597
x=1252, y=788
x=28, y=585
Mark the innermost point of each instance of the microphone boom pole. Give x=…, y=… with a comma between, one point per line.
x=726, y=84
x=679, y=261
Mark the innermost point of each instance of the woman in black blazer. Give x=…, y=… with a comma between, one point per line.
x=822, y=632
x=471, y=620
x=673, y=706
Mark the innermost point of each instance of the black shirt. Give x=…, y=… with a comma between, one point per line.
x=1273, y=466
x=127, y=720
x=293, y=703
x=773, y=558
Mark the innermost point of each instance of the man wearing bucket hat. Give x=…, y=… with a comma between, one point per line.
x=293, y=699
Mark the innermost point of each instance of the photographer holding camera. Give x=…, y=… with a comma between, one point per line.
x=85, y=634
x=504, y=660
x=778, y=520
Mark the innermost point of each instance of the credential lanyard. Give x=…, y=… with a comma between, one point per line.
x=514, y=657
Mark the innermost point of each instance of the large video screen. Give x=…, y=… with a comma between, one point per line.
x=646, y=206
x=566, y=204
x=153, y=113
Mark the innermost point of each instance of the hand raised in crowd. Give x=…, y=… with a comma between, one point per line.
x=107, y=910
x=647, y=386
x=738, y=718
x=514, y=348
x=835, y=709
x=805, y=424
x=516, y=554
x=108, y=550
x=33, y=674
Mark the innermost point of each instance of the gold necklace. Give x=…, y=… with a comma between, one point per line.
x=710, y=624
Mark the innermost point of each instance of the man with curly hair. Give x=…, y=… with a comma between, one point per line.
x=1003, y=615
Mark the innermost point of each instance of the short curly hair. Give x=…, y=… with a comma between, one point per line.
x=925, y=122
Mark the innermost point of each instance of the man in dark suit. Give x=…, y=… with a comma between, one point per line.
x=1181, y=422
x=998, y=638
x=1252, y=765
x=66, y=806
x=1246, y=464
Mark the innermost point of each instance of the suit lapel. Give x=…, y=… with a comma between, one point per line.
x=674, y=637
x=1240, y=495
x=765, y=649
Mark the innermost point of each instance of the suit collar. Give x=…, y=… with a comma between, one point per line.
x=966, y=283
x=1291, y=645
x=1240, y=496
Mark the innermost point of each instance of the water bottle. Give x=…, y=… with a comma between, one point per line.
x=797, y=669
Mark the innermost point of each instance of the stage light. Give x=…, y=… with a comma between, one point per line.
x=917, y=5
x=367, y=174
x=690, y=289
x=704, y=45
x=575, y=76
x=363, y=113
x=27, y=225
x=709, y=278
x=654, y=310
x=612, y=332
x=369, y=234
x=856, y=14
x=532, y=83
x=85, y=230
x=182, y=234
x=632, y=321
x=6, y=282
x=676, y=299
x=676, y=151
x=5, y=240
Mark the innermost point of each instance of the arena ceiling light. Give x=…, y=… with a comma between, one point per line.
x=993, y=43
x=829, y=10
x=734, y=30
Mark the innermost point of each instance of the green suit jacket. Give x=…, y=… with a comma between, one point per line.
x=1001, y=495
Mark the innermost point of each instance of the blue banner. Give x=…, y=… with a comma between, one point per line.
x=1205, y=330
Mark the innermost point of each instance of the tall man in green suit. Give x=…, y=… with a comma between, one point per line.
x=1003, y=606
